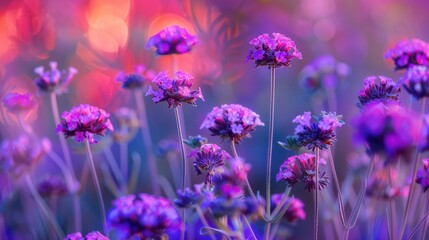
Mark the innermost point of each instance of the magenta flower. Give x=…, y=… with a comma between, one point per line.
x=231, y=121
x=274, y=52
x=422, y=177
x=416, y=81
x=144, y=216
x=172, y=40
x=17, y=103
x=295, y=211
x=137, y=78
x=302, y=168
x=83, y=122
x=174, y=91
x=209, y=158
x=317, y=131
x=409, y=53
x=378, y=89
x=95, y=235
x=54, y=80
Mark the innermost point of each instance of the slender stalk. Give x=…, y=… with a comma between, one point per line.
x=153, y=169
x=204, y=221
x=123, y=149
x=337, y=185
x=423, y=236
x=413, y=183
x=316, y=196
x=392, y=210
x=67, y=157
x=234, y=150
x=250, y=228
x=416, y=228
x=44, y=208
x=113, y=165
x=97, y=186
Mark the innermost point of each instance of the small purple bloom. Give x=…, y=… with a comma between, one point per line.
x=53, y=186
x=136, y=79
x=409, y=53
x=188, y=198
x=378, y=89
x=83, y=122
x=174, y=91
x=144, y=216
x=54, y=80
x=416, y=81
x=172, y=40
x=95, y=235
x=274, y=52
x=17, y=103
x=231, y=121
x=302, y=168
x=422, y=177
x=295, y=211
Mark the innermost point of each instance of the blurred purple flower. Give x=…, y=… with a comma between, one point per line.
x=188, y=198
x=233, y=207
x=95, y=235
x=378, y=88
x=17, y=103
x=136, y=79
x=409, y=53
x=272, y=52
x=295, y=211
x=231, y=121
x=174, y=91
x=323, y=72
x=52, y=186
x=302, y=168
x=172, y=40
x=416, y=81
x=83, y=122
x=317, y=131
x=144, y=216
x=379, y=186
x=54, y=80
x=422, y=177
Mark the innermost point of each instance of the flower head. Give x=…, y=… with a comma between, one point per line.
x=188, y=198
x=54, y=80
x=302, y=168
x=172, y=40
x=317, y=131
x=136, y=79
x=52, y=186
x=378, y=89
x=231, y=121
x=17, y=103
x=295, y=210
x=144, y=216
x=274, y=52
x=422, y=177
x=95, y=235
x=83, y=122
x=323, y=72
x=416, y=81
x=408, y=53
x=174, y=91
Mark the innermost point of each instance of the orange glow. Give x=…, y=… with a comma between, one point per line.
x=165, y=20
x=7, y=50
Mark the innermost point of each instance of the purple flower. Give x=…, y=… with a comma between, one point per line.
x=174, y=91
x=379, y=186
x=422, y=177
x=144, y=216
x=209, y=158
x=83, y=122
x=231, y=121
x=416, y=81
x=302, y=168
x=317, y=130
x=323, y=72
x=137, y=79
x=378, y=89
x=17, y=103
x=387, y=128
x=53, y=186
x=172, y=40
x=273, y=52
x=188, y=198
x=95, y=235
x=295, y=211
x=54, y=80
x=409, y=53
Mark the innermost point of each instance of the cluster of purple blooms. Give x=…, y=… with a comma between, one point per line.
x=90, y=236
x=231, y=121
x=54, y=80
x=172, y=40
x=378, y=88
x=416, y=81
x=409, y=53
x=19, y=103
x=137, y=79
x=295, y=210
x=423, y=175
x=83, y=121
x=52, y=186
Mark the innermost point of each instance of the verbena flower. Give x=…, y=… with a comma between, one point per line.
x=54, y=80
x=323, y=73
x=295, y=211
x=137, y=79
x=416, y=81
x=409, y=53
x=274, y=52
x=95, y=235
x=195, y=141
x=19, y=103
x=388, y=129
x=302, y=168
x=83, y=121
x=378, y=89
x=231, y=121
x=172, y=40
x=209, y=159
x=174, y=91
x=379, y=186
x=127, y=124
x=422, y=177
x=52, y=186
x=143, y=215
x=317, y=131
x=188, y=198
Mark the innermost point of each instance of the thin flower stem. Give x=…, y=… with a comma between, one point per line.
x=413, y=182
x=204, y=221
x=275, y=229
x=145, y=129
x=316, y=196
x=123, y=149
x=392, y=209
x=97, y=186
x=115, y=169
x=234, y=150
x=270, y=144
x=416, y=228
x=250, y=227
x=267, y=230
x=423, y=236
x=337, y=185
x=44, y=208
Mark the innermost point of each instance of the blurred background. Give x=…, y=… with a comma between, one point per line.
x=102, y=37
